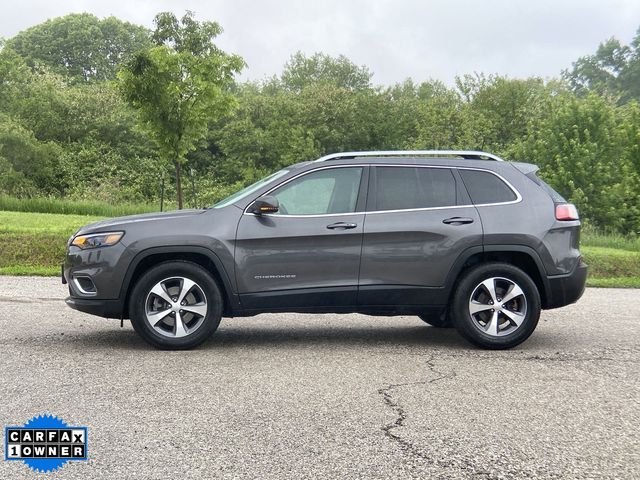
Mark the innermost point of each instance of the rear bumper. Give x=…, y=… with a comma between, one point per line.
x=566, y=289
x=101, y=308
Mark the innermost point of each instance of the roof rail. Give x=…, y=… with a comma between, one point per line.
x=468, y=154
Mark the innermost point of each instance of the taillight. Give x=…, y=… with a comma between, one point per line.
x=566, y=211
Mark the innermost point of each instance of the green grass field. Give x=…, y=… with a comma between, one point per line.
x=73, y=207
x=34, y=244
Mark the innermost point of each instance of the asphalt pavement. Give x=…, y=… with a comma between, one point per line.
x=328, y=396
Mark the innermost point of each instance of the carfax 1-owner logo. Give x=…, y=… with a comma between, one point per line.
x=45, y=443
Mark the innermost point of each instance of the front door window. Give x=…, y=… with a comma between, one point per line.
x=323, y=192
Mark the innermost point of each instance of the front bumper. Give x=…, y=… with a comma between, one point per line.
x=566, y=289
x=101, y=308
x=105, y=268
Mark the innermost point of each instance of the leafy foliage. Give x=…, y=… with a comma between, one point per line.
x=584, y=148
x=614, y=69
x=177, y=86
x=80, y=46
x=301, y=71
x=67, y=130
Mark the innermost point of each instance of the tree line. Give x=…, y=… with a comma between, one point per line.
x=102, y=109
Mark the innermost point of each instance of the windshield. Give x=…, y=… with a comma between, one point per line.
x=250, y=189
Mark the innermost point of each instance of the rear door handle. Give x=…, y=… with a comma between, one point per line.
x=342, y=226
x=457, y=220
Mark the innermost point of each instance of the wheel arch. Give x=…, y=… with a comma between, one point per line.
x=202, y=256
x=519, y=256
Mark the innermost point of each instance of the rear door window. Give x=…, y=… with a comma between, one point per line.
x=401, y=188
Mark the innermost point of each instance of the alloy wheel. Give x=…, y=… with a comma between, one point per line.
x=176, y=307
x=497, y=306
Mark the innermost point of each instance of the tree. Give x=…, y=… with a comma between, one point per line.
x=614, y=69
x=586, y=148
x=80, y=45
x=505, y=106
x=14, y=74
x=30, y=165
x=179, y=85
x=301, y=71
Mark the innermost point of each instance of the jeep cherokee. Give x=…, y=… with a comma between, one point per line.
x=458, y=238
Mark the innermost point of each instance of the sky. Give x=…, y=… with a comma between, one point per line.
x=396, y=39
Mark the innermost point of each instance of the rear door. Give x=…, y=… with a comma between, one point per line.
x=419, y=221
x=308, y=254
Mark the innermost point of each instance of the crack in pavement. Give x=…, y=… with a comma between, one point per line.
x=401, y=416
x=604, y=355
x=467, y=466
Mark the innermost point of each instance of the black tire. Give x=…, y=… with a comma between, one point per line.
x=438, y=321
x=473, y=327
x=203, y=325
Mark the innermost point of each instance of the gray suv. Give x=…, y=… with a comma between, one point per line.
x=458, y=238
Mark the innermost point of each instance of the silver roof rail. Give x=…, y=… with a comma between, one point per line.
x=469, y=154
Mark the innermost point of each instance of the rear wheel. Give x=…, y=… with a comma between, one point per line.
x=496, y=305
x=176, y=305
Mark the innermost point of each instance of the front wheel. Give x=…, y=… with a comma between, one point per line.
x=176, y=305
x=496, y=306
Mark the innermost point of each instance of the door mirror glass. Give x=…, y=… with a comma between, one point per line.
x=266, y=204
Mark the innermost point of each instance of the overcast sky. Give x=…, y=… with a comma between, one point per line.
x=396, y=39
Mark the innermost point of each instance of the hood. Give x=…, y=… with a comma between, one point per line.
x=122, y=222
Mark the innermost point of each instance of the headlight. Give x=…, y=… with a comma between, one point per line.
x=95, y=240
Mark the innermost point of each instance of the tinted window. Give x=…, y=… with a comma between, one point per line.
x=485, y=187
x=323, y=192
x=399, y=188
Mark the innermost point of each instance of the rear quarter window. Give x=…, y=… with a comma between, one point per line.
x=555, y=196
x=485, y=187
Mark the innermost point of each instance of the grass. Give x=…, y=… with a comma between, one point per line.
x=42, y=223
x=34, y=244
x=73, y=207
x=611, y=262
x=613, y=259
x=612, y=267
x=610, y=240
x=31, y=270
x=614, y=282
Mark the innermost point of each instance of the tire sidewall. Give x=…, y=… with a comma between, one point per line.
x=174, y=269
x=462, y=318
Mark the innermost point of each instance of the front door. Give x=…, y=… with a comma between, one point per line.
x=308, y=254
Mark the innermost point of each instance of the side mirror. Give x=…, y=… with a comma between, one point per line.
x=267, y=204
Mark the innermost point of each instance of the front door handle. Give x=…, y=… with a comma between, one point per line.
x=457, y=220
x=342, y=226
